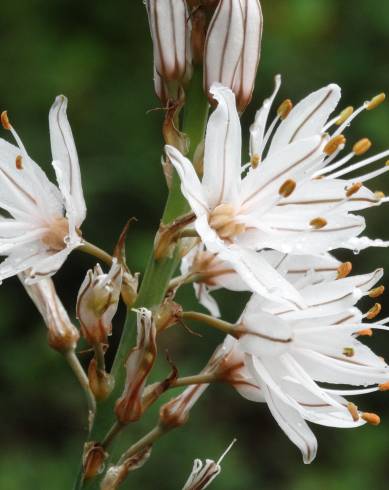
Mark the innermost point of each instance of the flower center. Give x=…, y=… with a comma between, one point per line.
x=54, y=238
x=222, y=220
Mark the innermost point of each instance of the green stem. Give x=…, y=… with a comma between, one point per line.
x=196, y=379
x=145, y=441
x=99, y=356
x=226, y=327
x=91, y=249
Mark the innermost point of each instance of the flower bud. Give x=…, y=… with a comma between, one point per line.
x=140, y=360
x=100, y=382
x=170, y=31
x=62, y=334
x=130, y=284
x=232, y=48
x=97, y=302
x=93, y=459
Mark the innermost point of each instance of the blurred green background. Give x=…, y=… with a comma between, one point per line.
x=99, y=54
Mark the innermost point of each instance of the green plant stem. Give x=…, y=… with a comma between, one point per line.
x=91, y=249
x=221, y=325
x=158, y=273
x=196, y=379
x=99, y=356
x=145, y=441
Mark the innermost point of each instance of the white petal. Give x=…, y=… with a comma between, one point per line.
x=206, y=300
x=63, y=150
x=222, y=154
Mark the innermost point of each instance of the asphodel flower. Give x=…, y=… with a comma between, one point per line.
x=97, y=302
x=290, y=358
x=62, y=334
x=44, y=223
x=232, y=48
x=278, y=201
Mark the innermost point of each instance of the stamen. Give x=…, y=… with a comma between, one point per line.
x=344, y=270
x=361, y=146
x=333, y=144
x=376, y=292
x=344, y=115
x=353, y=409
x=374, y=311
x=360, y=164
x=318, y=223
x=379, y=195
x=287, y=188
x=375, y=101
x=353, y=189
x=255, y=160
x=347, y=122
x=19, y=162
x=284, y=109
x=5, y=121
x=384, y=386
x=367, y=332
x=371, y=418
x=348, y=352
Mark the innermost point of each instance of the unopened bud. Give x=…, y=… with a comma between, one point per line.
x=232, y=48
x=93, y=459
x=140, y=360
x=115, y=475
x=62, y=334
x=97, y=302
x=167, y=315
x=100, y=382
x=129, y=291
x=175, y=412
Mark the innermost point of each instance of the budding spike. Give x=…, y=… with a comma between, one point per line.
x=344, y=270
x=318, y=223
x=284, y=108
x=345, y=114
x=353, y=409
x=371, y=418
x=353, y=189
x=374, y=311
x=375, y=101
x=255, y=160
x=19, y=162
x=334, y=143
x=287, y=188
x=5, y=121
x=376, y=292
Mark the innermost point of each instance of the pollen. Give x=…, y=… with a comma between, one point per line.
x=334, y=143
x=371, y=418
x=376, y=292
x=255, y=160
x=348, y=352
x=374, y=311
x=345, y=114
x=287, y=188
x=375, y=101
x=344, y=270
x=284, y=108
x=19, y=162
x=361, y=146
x=5, y=121
x=384, y=386
x=353, y=409
x=353, y=189
x=367, y=332
x=318, y=223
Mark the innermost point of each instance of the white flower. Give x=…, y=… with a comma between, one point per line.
x=97, y=302
x=233, y=47
x=283, y=355
x=203, y=473
x=212, y=273
x=44, y=222
x=281, y=203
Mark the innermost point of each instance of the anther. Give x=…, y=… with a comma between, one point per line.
x=353, y=409
x=353, y=189
x=384, y=386
x=345, y=114
x=376, y=292
x=344, y=270
x=371, y=418
x=318, y=223
x=255, y=160
x=19, y=162
x=361, y=146
x=333, y=144
x=287, y=188
x=379, y=195
x=5, y=121
x=284, y=108
x=374, y=311
x=375, y=101
x=348, y=352
x=367, y=332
